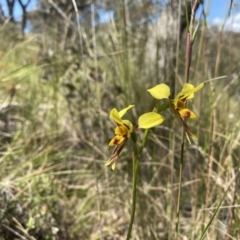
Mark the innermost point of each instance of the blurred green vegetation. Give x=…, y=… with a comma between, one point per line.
x=59, y=82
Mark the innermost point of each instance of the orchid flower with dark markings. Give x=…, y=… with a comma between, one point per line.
x=124, y=129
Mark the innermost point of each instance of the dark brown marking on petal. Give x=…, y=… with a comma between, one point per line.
x=187, y=114
x=116, y=141
x=180, y=104
x=186, y=127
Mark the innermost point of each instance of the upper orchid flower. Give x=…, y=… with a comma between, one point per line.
x=178, y=104
x=162, y=91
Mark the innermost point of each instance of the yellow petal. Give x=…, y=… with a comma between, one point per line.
x=186, y=113
x=188, y=91
x=160, y=91
x=114, y=114
x=117, y=140
x=149, y=120
x=129, y=126
x=108, y=162
x=123, y=111
x=121, y=130
x=113, y=166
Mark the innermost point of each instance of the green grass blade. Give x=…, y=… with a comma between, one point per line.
x=213, y=216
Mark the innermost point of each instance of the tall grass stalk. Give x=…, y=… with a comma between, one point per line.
x=217, y=209
x=172, y=135
x=213, y=116
x=98, y=105
x=189, y=43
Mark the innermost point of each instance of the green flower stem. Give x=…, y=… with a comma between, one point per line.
x=134, y=198
x=136, y=157
x=143, y=142
x=135, y=177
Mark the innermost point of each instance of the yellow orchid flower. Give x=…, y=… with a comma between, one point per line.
x=162, y=91
x=122, y=133
x=178, y=104
x=125, y=128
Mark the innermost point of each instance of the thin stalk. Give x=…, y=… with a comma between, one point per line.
x=214, y=120
x=100, y=121
x=172, y=135
x=134, y=183
x=180, y=182
x=172, y=199
x=126, y=72
x=144, y=141
x=188, y=58
x=136, y=157
x=205, y=230
x=134, y=198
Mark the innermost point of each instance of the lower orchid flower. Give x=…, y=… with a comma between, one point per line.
x=124, y=129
